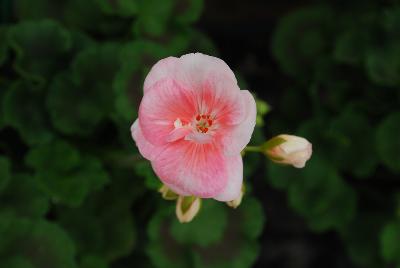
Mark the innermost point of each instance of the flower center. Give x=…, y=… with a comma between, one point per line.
x=203, y=123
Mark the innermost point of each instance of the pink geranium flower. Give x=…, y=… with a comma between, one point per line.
x=193, y=123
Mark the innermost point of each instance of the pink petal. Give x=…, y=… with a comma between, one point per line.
x=235, y=139
x=165, y=68
x=161, y=107
x=222, y=98
x=176, y=189
x=235, y=179
x=195, y=68
x=197, y=169
x=148, y=150
x=190, y=70
x=178, y=133
x=199, y=138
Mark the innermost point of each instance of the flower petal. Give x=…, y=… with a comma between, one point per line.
x=148, y=150
x=197, y=169
x=165, y=68
x=161, y=107
x=235, y=139
x=190, y=70
x=195, y=68
x=178, y=133
x=223, y=99
x=235, y=179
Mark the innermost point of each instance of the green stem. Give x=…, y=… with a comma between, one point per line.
x=256, y=149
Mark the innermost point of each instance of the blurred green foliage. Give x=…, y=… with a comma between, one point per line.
x=342, y=59
x=74, y=191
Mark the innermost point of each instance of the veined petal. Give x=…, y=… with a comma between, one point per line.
x=161, y=107
x=178, y=133
x=199, y=138
x=197, y=169
x=195, y=68
x=165, y=68
x=223, y=99
x=235, y=139
x=233, y=188
x=148, y=150
x=190, y=70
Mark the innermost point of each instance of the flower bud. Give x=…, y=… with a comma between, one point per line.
x=288, y=150
x=167, y=193
x=235, y=203
x=187, y=208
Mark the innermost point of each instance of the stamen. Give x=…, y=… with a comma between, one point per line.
x=204, y=122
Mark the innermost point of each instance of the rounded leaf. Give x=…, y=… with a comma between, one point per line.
x=388, y=142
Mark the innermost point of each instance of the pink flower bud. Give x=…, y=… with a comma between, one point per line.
x=289, y=150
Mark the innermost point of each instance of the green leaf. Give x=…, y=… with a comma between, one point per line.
x=24, y=9
x=23, y=110
x=350, y=47
x=383, y=65
x=16, y=262
x=38, y=242
x=48, y=157
x=252, y=217
x=24, y=197
x=5, y=173
x=391, y=21
x=153, y=17
x=109, y=229
x=239, y=243
x=316, y=132
x=321, y=196
x=53, y=247
x=91, y=17
x=92, y=97
x=243, y=256
x=144, y=169
x=206, y=228
x=80, y=118
x=40, y=47
x=68, y=177
x=92, y=261
x=89, y=88
x=188, y=11
x=123, y=8
x=97, y=65
x=3, y=46
x=179, y=245
x=390, y=238
x=387, y=142
x=361, y=238
x=354, y=149
x=280, y=176
x=162, y=249
x=302, y=39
